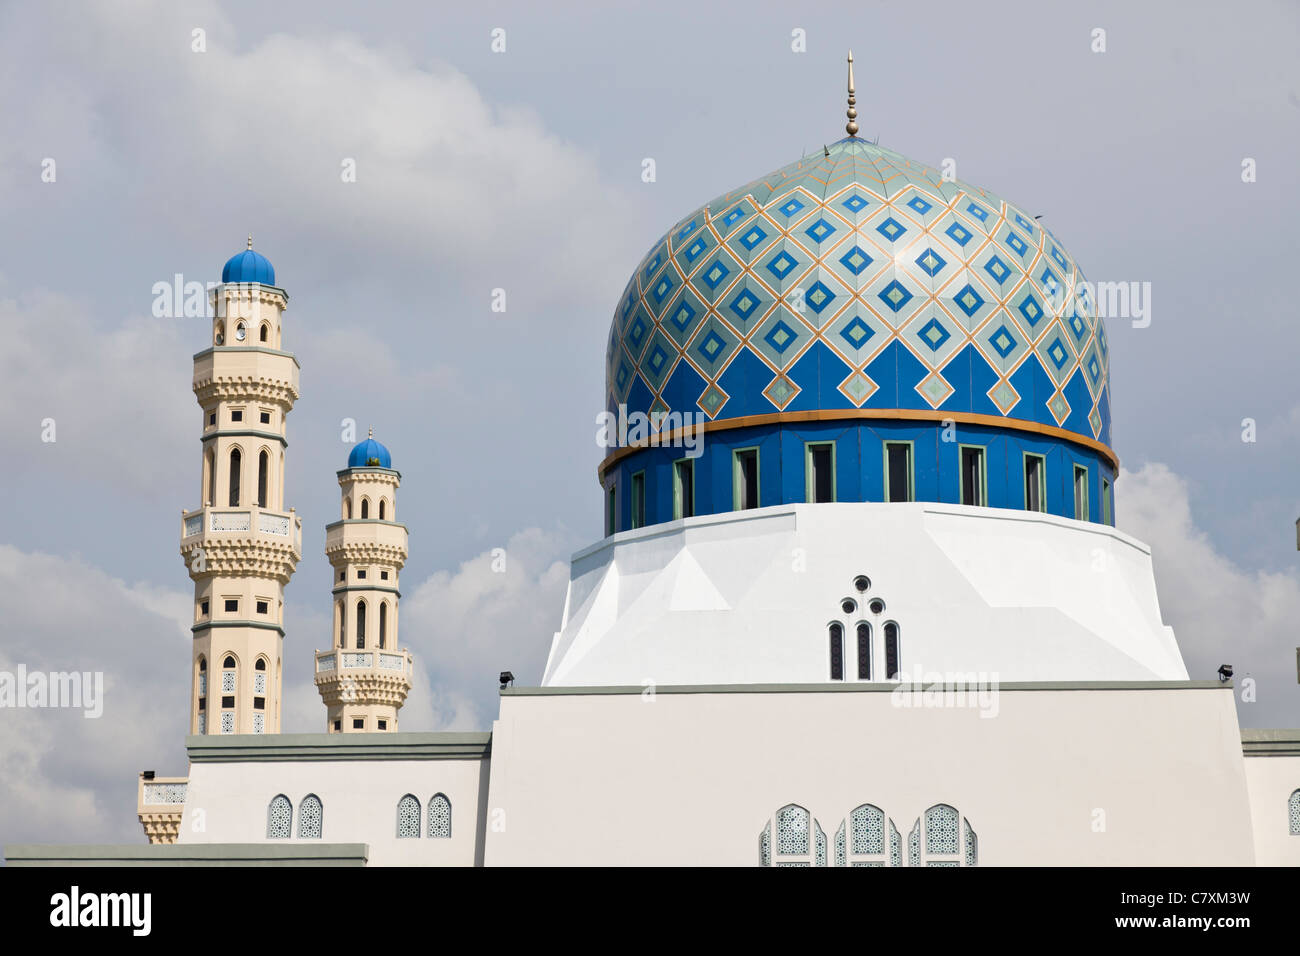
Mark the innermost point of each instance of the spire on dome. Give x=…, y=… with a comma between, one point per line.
x=250, y=240
x=372, y=432
x=851, y=127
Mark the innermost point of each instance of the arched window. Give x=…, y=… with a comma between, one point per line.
x=408, y=818
x=219, y=333
x=1293, y=812
x=383, y=626
x=310, y=817
x=228, y=683
x=439, y=817
x=265, y=332
x=361, y=625
x=383, y=503
x=259, y=677
x=945, y=833
x=837, y=650
x=263, y=469
x=279, y=818
x=234, y=477
x=864, y=651
x=365, y=507
x=864, y=844
x=339, y=618
x=800, y=840
x=891, y=651
x=202, y=678
x=209, y=477
x=347, y=507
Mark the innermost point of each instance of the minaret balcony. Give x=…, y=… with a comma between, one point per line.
x=395, y=662
x=367, y=539
x=242, y=541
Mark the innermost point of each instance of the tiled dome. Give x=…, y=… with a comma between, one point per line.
x=857, y=278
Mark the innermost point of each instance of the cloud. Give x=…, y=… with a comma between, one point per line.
x=497, y=611
x=1221, y=613
x=65, y=778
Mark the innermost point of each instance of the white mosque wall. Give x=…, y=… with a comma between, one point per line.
x=746, y=597
x=228, y=799
x=1273, y=775
x=1059, y=776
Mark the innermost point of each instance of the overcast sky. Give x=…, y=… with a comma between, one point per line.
x=521, y=170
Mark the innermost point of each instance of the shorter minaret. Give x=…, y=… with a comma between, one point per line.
x=364, y=677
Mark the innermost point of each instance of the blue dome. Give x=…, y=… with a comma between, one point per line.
x=248, y=266
x=364, y=451
x=860, y=280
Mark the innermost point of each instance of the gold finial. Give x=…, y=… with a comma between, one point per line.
x=372, y=432
x=250, y=240
x=851, y=127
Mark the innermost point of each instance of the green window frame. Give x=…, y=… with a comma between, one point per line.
x=638, y=500
x=911, y=471
x=1081, y=509
x=1041, y=472
x=981, y=499
x=737, y=455
x=809, y=492
x=684, y=488
x=1106, y=517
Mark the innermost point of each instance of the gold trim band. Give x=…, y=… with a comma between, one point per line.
x=851, y=414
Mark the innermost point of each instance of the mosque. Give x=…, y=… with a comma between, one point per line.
x=860, y=599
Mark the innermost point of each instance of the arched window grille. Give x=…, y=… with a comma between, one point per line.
x=1293, y=813
x=259, y=677
x=800, y=840
x=949, y=839
x=837, y=650
x=383, y=625
x=440, y=817
x=408, y=818
x=279, y=818
x=233, y=497
x=361, y=625
x=263, y=469
x=864, y=651
x=310, y=817
x=891, y=651
x=866, y=836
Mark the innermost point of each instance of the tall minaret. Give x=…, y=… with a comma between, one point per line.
x=364, y=677
x=241, y=546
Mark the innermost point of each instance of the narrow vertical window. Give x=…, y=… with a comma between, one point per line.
x=864, y=651
x=347, y=508
x=891, y=651
x=638, y=500
x=684, y=488
x=209, y=478
x=1081, y=492
x=611, y=524
x=383, y=625
x=279, y=818
x=1035, y=483
x=745, y=479
x=972, y=476
x=898, y=471
x=408, y=818
x=383, y=508
x=440, y=817
x=837, y=651
x=1105, y=502
x=361, y=625
x=233, y=498
x=1293, y=813
x=263, y=467
x=263, y=332
x=819, y=473
x=310, y=814
x=365, y=507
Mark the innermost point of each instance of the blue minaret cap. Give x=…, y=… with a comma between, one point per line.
x=248, y=266
x=364, y=451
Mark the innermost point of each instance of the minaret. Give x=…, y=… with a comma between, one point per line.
x=364, y=677
x=241, y=545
